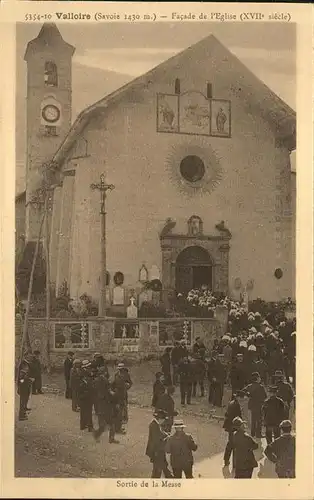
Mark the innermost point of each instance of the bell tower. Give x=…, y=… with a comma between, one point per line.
x=49, y=106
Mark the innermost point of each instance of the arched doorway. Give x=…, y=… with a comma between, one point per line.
x=194, y=268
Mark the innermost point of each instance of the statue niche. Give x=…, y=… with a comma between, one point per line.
x=195, y=226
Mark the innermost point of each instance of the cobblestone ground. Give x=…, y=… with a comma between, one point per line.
x=50, y=443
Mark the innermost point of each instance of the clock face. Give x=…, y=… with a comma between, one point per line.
x=51, y=113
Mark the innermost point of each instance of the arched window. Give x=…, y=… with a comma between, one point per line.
x=51, y=74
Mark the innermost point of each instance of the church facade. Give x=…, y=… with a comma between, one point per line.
x=198, y=151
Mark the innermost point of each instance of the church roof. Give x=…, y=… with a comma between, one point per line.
x=48, y=35
x=242, y=83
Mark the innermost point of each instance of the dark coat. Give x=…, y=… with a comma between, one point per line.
x=35, y=368
x=216, y=370
x=165, y=362
x=102, y=394
x=175, y=355
x=75, y=378
x=285, y=392
x=238, y=375
x=282, y=453
x=198, y=369
x=233, y=411
x=156, y=441
x=185, y=371
x=243, y=446
x=273, y=411
x=86, y=387
x=23, y=378
x=158, y=390
x=180, y=447
x=257, y=395
x=165, y=402
x=120, y=387
x=197, y=347
x=68, y=363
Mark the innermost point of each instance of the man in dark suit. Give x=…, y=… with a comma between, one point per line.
x=243, y=446
x=165, y=402
x=216, y=378
x=284, y=391
x=180, y=447
x=233, y=411
x=274, y=413
x=238, y=374
x=186, y=379
x=68, y=363
x=86, y=397
x=257, y=395
x=158, y=388
x=165, y=362
x=282, y=451
x=155, y=448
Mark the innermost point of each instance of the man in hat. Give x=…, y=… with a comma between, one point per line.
x=243, y=446
x=282, y=451
x=198, y=344
x=186, y=380
x=199, y=372
x=238, y=374
x=68, y=363
x=158, y=388
x=86, y=397
x=257, y=395
x=105, y=402
x=156, y=443
x=120, y=387
x=165, y=402
x=216, y=373
x=233, y=411
x=284, y=391
x=75, y=383
x=125, y=374
x=36, y=370
x=175, y=359
x=273, y=411
x=165, y=362
x=180, y=446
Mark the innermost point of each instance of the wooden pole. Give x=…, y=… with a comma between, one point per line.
x=25, y=337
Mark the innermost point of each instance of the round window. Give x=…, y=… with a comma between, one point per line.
x=192, y=168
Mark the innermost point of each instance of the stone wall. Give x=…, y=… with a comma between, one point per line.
x=103, y=336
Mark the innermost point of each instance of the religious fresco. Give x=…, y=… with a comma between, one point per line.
x=220, y=123
x=167, y=113
x=194, y=114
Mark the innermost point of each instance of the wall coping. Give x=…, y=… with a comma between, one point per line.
x=95, y=319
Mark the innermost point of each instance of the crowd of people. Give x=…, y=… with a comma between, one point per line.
x=259, y=365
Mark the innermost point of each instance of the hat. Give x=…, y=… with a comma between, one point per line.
x=278, y=373
x=77, y=362
x=252, y=347
x=253, y=329
x=239, y=354
x=286, y=425
x=178, y=424
x=237, y=422
x=120, y=365
x=159, y=414
x=243, y=343
x=85, y=363
x=97, y=354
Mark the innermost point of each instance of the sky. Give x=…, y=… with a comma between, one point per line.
x=109, y=55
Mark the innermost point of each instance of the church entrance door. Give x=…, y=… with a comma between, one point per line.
x=193, y=269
